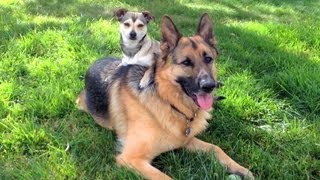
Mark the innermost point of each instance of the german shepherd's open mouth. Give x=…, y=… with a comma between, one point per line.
x=202, y=96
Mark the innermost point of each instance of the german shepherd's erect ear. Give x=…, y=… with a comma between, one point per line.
x=205, y=30
x=170, y=35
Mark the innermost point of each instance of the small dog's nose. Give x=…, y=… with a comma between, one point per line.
x=133, y=35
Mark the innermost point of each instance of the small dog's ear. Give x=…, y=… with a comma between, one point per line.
x=120, y=13
x=205, y=30
x=148, y=16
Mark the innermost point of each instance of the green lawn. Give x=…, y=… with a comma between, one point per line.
x=269, y=61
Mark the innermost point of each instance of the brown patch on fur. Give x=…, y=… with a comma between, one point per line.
x=117, y=118
x=194, y=45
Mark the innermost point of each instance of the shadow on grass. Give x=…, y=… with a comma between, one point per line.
x=264, y=62
x=62, y=8
x=270, y=64
x=272, y=67
x=278, y=69
x=290, y=3
x=16, y=26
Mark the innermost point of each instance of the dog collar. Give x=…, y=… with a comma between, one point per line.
x=143, y=38
x=188, y=120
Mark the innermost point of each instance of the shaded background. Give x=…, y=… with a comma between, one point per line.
x=269, y=61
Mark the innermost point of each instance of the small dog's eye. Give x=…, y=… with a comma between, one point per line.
x=140, y=25
x=208, y=59
x=126, y=24
x=187, y=62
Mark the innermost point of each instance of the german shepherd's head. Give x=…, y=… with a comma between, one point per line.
x=188, y=63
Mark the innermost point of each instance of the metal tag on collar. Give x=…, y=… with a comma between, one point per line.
x=188, y=130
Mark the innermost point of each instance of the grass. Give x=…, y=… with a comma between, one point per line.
x=269, y=60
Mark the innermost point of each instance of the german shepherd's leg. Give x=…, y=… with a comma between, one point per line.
x=145, y=79
x=233, y=167
x=81, y=102
x=142, y=165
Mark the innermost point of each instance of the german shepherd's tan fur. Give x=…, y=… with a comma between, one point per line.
x=152, y=120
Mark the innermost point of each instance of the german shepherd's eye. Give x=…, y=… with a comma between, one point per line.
x=207, y=59
x=126, y=24
x=187, y=62
x=140, y=25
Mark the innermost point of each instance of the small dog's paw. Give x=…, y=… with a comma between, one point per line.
x=143, y=83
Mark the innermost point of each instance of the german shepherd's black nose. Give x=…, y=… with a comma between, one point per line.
x=133, y=35
x=207, y=84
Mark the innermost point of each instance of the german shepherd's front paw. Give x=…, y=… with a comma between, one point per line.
x=249, y=175
x=245, y=174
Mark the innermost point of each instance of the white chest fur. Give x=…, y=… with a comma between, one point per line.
x=144, y=56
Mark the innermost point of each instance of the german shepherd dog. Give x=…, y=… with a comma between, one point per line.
x=170, y=111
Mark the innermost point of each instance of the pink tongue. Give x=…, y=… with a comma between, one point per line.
x=205, y=100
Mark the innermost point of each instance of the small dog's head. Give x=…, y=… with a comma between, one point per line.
x=189, y=62
x=133, y=25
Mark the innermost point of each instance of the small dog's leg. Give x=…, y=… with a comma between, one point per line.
x=142, y=166
x=144, y=82
x=233, y=167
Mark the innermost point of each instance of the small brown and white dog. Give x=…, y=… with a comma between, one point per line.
x=137, y=47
